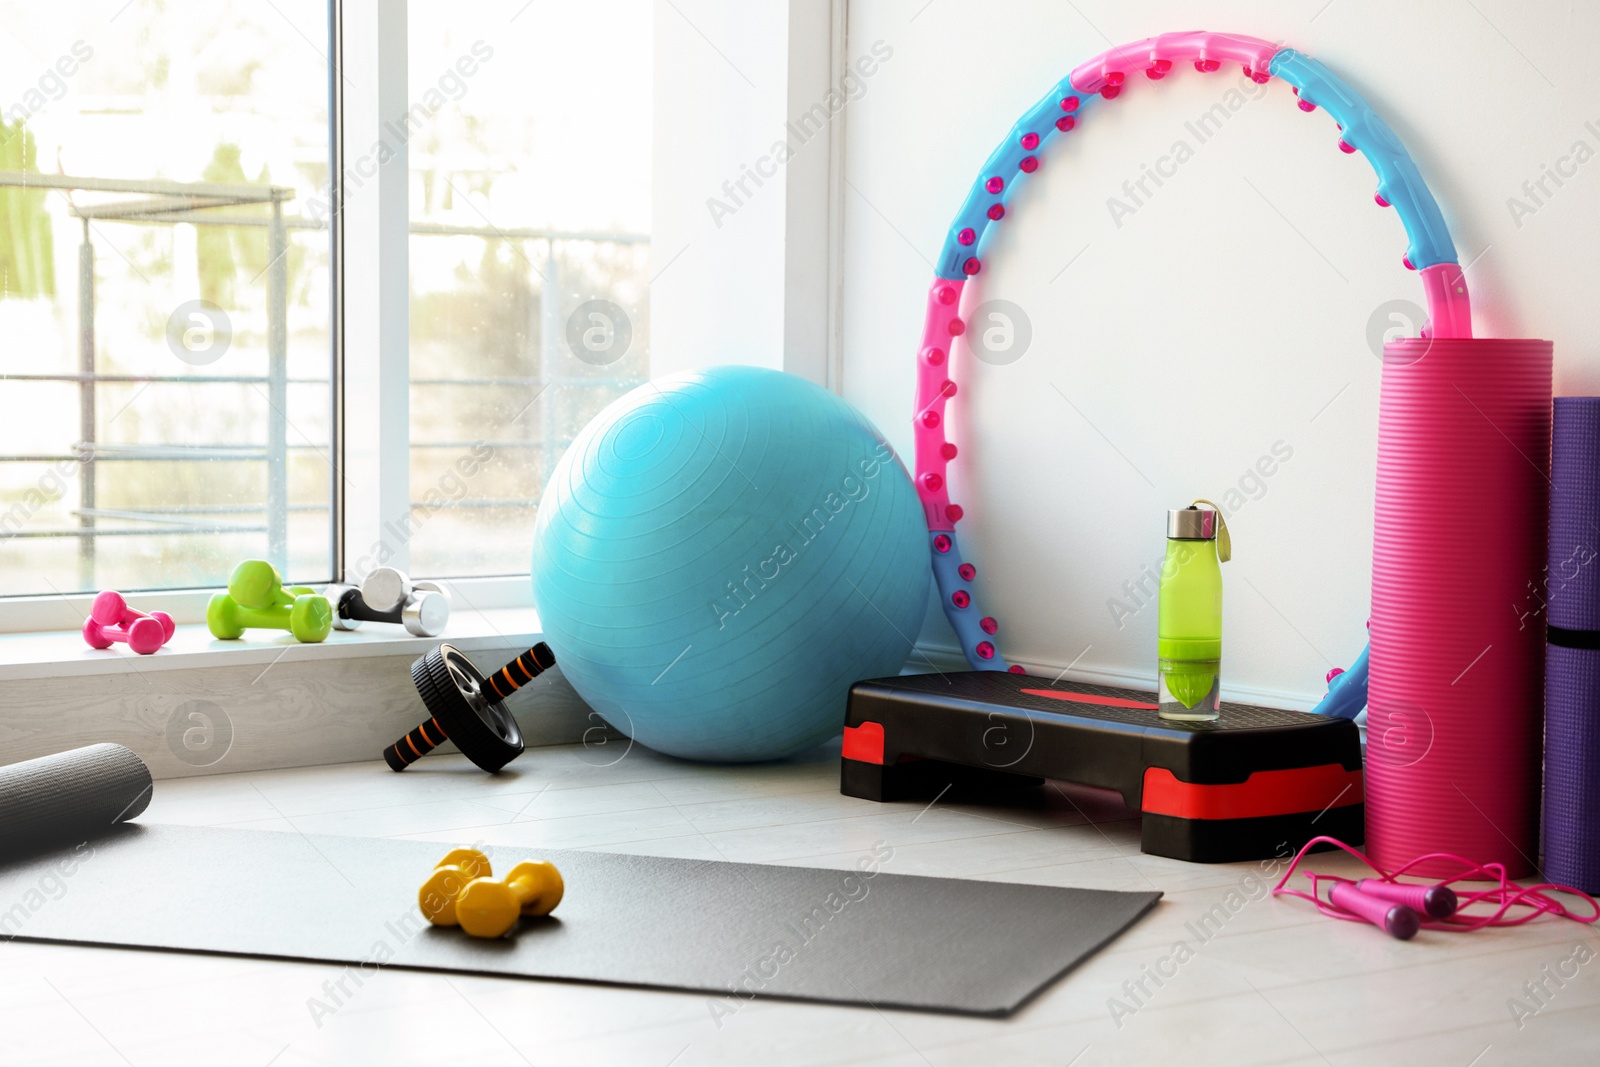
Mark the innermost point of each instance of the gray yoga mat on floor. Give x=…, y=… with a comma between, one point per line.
x=723, y=929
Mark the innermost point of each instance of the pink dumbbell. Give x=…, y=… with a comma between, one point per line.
x=110, y=619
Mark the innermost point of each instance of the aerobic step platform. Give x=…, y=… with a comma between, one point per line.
x=1250, y=785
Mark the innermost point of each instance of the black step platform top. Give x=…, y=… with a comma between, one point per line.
x=1091, y=734
x=987, y=688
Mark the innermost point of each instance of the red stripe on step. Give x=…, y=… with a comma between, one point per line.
x=1291, y=791
x=1089, y=698
x=864, y=742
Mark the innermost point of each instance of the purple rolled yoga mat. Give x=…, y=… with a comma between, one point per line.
x=1570, y=599
x=1572, y=583
x=1572, y=767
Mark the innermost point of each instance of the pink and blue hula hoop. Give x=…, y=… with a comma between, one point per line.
x=1430, y=253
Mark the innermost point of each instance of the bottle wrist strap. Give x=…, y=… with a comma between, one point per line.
x=1224, y=542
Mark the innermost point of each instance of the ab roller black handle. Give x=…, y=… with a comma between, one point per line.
x=467, y=707
x=522, y=670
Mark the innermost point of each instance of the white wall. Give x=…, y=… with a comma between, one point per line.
x=1222, y=316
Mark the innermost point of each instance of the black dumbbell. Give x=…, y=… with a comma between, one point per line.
x=468, y=707
x=387, y=595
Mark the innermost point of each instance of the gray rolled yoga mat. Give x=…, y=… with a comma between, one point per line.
x=69, y=797
x=728, y=930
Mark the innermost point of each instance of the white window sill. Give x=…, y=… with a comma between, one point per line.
x=202, y=706
x=58, y=653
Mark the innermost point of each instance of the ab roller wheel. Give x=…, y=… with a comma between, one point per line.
x=467, y=707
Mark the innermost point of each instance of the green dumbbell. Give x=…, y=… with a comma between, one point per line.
x=256, y=597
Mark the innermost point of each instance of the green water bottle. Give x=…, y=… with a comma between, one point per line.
x=1189, y=638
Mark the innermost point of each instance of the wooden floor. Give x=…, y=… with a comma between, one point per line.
x=1277, y=985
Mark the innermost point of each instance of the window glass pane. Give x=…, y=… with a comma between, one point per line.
x=164, y=352
x=530, y=209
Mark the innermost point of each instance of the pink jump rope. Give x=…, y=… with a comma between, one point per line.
x=1402, y=908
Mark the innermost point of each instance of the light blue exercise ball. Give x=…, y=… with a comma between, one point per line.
x=720, y=554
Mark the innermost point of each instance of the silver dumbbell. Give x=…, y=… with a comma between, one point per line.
x=387, y=595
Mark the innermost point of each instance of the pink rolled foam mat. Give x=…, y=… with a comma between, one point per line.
x=1455, y=720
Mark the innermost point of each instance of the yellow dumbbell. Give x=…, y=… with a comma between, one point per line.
x=489, y=908
x=438, y=894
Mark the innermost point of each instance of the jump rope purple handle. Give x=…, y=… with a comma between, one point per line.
x=1397, y=920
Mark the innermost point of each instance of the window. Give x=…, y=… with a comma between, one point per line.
x=167, y=370
x=164, y=299
x=281, y=348
x=530, y=257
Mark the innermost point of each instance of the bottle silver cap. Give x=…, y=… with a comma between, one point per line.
x=1192, y=524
